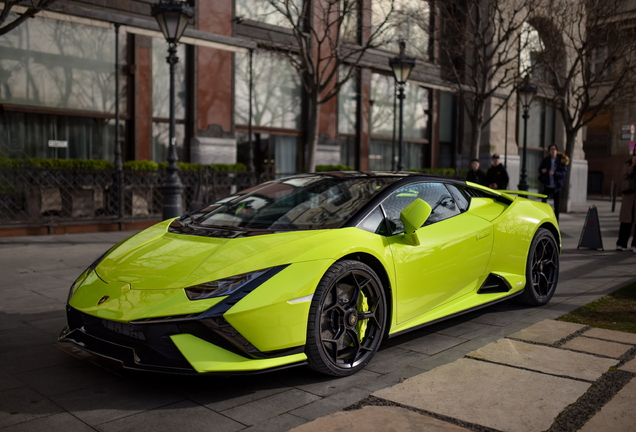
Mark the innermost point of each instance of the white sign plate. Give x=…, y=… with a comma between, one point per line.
x=58, y=144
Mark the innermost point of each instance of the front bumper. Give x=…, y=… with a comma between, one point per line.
x=181, y=345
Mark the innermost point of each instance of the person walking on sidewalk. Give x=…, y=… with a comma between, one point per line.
x=476, y=175
x=552, y=173
x=628, y=205
x=497, y=176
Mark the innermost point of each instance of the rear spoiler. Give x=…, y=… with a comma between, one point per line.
x=522, y=193
x=506, y=193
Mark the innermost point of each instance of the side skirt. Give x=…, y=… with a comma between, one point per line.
x=426, y=324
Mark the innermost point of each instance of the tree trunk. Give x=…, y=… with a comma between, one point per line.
x=311, y=138
x=475, y=140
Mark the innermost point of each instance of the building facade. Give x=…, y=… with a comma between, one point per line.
x=57, y=76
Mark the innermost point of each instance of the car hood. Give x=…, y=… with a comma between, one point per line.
x=156, y=259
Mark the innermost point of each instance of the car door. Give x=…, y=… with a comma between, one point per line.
x=453, y=253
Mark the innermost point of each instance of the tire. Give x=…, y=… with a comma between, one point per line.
x=347, y=318
x=542, y=270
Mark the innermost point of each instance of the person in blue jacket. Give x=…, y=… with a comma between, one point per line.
x=552, y=174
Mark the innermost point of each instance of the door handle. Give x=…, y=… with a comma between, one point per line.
x=483, y=234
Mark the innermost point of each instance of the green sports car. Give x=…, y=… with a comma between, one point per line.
x=312, y=269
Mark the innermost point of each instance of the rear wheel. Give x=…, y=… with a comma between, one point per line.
x=347, y=318
x=542, y=270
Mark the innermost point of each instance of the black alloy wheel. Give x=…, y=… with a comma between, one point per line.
x=347, y=318
x=542, y=269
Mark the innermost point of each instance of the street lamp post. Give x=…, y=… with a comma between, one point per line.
x=172, y=17
x=401, y=67
x=526, y=94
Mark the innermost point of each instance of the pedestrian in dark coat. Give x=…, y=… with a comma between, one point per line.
x=476, y=175
x=497, y=176
x=628, y=206
x=552, y=174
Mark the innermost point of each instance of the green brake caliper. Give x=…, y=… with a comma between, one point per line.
x=362, y=305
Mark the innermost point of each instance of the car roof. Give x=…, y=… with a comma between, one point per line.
x=401, y=176
x=372, y=174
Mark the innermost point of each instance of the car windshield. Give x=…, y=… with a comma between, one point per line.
x=296, y=203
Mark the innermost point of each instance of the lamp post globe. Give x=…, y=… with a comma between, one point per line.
x=401, y=66
x=526, y=93
x=172, y=17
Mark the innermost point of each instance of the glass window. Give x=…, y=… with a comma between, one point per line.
x=435, y=194
x=382, y=105
x=381, y=153
x=347, y=105
x=374, y=222
x=460, y=198
x=530, y=51
x=267, y=11
x=347, y=151
x=27, y=135
x=160, y=139
x=383, y=111
x=535, y=122
x=64, y=66
x=415, y=108
x=351, y=20
x=294, y=203
x=285, y=149
x=60, y=64
x=409, y=21
x=161, y=81
x=276, y=94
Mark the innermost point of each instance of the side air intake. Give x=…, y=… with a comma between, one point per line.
x=494, y=284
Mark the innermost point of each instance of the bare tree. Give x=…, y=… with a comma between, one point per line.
x=588, y=62
x=33, y=7
x=330, y=38
x=479, y=46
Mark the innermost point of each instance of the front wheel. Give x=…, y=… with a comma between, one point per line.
x=542, y=270
x=347, y=318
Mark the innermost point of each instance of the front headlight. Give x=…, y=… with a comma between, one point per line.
x=222, y=287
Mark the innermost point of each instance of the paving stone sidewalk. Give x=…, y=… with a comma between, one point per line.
x=532, y=380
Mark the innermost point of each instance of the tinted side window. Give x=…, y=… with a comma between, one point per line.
x=460, y=198
x=374, y=222
x=442, y=203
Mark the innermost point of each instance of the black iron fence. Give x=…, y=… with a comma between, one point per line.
x=40, y=196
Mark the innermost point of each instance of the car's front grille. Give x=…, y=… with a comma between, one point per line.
x=123, y=329
x=151, y=343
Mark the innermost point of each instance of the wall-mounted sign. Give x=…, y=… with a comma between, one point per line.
x=626, y=136
x=626, y=127
x=58, y=144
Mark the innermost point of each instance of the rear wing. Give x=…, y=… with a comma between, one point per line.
x=523, y=193
x=506, y=193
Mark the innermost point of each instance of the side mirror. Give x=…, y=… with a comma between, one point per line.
x=413, y=217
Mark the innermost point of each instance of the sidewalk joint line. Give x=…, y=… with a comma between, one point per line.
x=530, y=370
x=376, y=401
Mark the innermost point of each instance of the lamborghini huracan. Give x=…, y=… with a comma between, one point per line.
x=313, y=269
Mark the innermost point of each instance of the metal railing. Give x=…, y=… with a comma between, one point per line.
x=39, y=196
